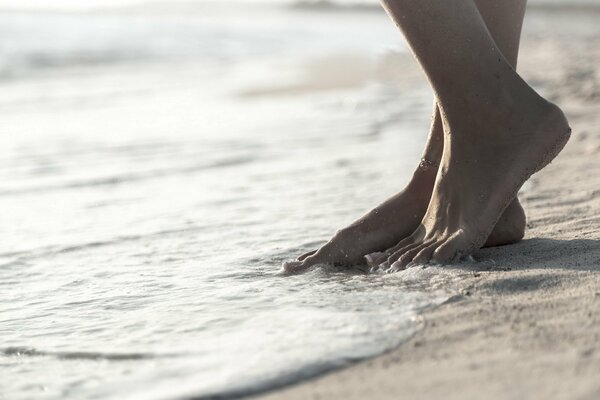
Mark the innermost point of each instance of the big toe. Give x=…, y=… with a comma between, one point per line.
x=374, y=259
x=306, y=255
x=291, y=267
x=322, y=256
x=453, y=249
x=424, y=256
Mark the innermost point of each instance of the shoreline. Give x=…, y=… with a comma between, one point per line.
x=525, y=322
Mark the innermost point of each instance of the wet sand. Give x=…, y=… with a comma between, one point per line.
x=525, y=322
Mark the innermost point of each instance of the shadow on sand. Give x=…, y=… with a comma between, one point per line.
x=576, y=254
x=582, y=255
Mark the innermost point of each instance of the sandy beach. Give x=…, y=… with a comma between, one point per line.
x=525, y=322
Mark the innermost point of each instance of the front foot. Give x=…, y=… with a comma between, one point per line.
x=486, y=169
x=510, y=229
x=377, y=230
x=353, y=246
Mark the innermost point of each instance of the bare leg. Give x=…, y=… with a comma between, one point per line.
x=401, y=214
x=497, y=130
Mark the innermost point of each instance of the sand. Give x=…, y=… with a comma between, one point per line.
x=525, y=322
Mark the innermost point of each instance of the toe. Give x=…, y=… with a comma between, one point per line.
x=374, y=259
x=402, y=252
x=384, y=260
x=424, y=256
x=305, y=255
x=409, y=241
x=405, y=245
x=450, y=250
x=444, y=253
x=294, y=267
x=384, y=266
x=408, y=256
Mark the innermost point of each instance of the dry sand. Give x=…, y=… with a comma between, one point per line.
x=529, y=326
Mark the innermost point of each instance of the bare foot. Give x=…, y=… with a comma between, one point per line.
x=394, y=220
x=482, y=170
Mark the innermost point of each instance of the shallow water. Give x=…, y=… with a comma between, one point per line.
x=149, y=202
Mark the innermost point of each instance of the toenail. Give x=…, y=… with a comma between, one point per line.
x=292, y=266
x=397, y=266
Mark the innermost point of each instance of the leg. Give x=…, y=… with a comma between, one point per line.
x=504, y=21
x=497, y=129
x=400, y=215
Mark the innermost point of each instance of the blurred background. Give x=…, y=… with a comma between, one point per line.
x=95, y=94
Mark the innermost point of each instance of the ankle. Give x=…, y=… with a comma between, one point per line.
x=498, y=99
x=423, y=179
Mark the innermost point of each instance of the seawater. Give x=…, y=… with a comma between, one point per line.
x=148, y=202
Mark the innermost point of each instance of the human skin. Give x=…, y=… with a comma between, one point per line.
x=400, y=215
x=497, y=131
